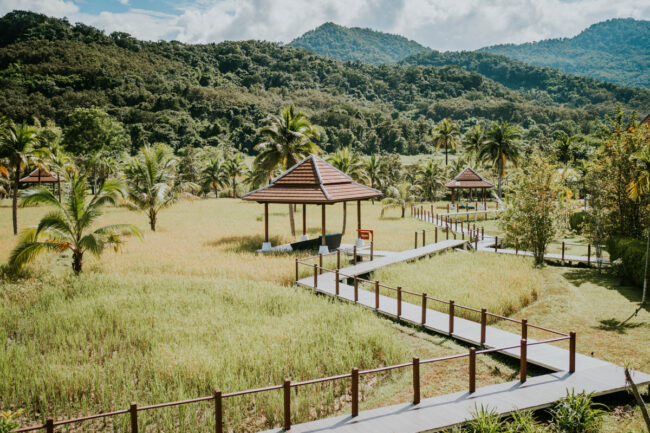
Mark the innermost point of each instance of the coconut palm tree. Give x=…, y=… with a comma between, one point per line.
x=350, y=163
x=16, y=145
x=288, y=139
x=151, y=176
x=69, y=225
x=473, y=140
x=637, y=189
x=502, y=145
x=398, y=197
x=60, y=163
x=430, y=178
x=214, y=175
x=373, y=167
x=446, y=133
x=234, y=168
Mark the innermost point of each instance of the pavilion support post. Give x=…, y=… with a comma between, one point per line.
x=266, y=246
x=323, y=247
x=452, y=196
x=359, y=240
x=304, y=236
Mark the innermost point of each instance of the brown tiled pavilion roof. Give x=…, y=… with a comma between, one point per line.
x=312, y=180
x=646, y=120
x=46, y=176
x=468, y=178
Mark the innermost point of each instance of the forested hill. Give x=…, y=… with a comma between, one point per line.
x=616, y=50
x=364, y=45
x=215, y=94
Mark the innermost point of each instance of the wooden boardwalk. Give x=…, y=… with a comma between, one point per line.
x=441, y=412
x=448, y=410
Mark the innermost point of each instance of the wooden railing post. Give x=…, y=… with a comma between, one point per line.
x=476, y=241
x=399, y=301
x=355, y=391
x=436, y=236
x=483, y=324
x=218, y=412
x=354, y=253
x=415, y=245
x=376, y=295
x=588, y=254
x=496, y=243
x=49, y=425
x=338, y=258
x=424, y=242
x=482, y=233
x=524, y=329
x=523, y=363
x=372, y=250
x=562, y=252
x=336, y=282
x=133, y=411
x=356, y=289
x=424, y=308
x=286, y=387
x=416, y=380
x=572, y=352
x=315, y=275
x=472, y=369
x=297, y=270
x=451, y=317
x=447, y=233
x=320, y=263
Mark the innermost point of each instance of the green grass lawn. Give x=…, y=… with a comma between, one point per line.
x=192, y=308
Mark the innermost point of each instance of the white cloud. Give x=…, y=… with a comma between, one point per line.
x=439, y=24
x=124, y=2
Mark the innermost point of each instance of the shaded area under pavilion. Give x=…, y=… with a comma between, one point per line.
x=468, y=179
x=39, y=176
x=311, y=181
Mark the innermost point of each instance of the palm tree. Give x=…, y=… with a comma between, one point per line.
x=68, y=226
x=563, y=144
x=16, y=145
x=60, y=163
x=234, y=168
x=473, y=140
x=214, y=175
x=350, y=163
x=373, y=167
x=288, y=139
x=430, y=178
x=639, y=187
x=152, y=182
x=446, y=134
x=398, y=197
x=501, y=146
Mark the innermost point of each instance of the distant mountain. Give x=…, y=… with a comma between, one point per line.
x=357, y=44
x=616, y=50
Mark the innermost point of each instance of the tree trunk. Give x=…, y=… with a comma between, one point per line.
x=292, y=223
x=645, y=273
x=77, y=261
x=345, y=216
x=403, y=211
x=14, y=198
x=58, y=183
x=152, y=220
x=216, y=191
x=446, y=159
x=499, y=184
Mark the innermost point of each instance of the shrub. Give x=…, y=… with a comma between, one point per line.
x=629, y=254
x=485, y=421
x=577, y=221
x=8, y=420
x=577, y=414
x=523, y=422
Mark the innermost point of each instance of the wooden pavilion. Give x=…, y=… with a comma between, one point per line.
x=311, y=181
x=468, y=179
x=39, y=176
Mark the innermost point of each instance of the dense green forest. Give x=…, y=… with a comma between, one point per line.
x=219, y=94
x=616, y=50
x=354, y=43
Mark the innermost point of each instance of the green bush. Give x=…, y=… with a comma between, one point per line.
x=628, y=258
x=577, y=414
x=577, y=220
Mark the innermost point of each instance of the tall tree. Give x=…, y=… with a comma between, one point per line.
x=502, y=145
x=288, y=139
x=152, y=182
x=91, y=130
x=373, y=167
x=234, y=168
x=399, y=197
x=638, y=188
x=214, y=175
x=446, y=134
x=17, y=142
x=473, y=140
x=70, y=225
x=350, y=163
x=429, y=179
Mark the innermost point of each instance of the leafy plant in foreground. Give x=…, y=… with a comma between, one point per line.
x=577, y=414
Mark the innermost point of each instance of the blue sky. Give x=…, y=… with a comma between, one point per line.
x=439, y=24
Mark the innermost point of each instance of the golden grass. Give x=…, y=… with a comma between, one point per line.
x=502, y=284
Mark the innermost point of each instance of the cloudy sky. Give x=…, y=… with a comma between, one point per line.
x=439, y=24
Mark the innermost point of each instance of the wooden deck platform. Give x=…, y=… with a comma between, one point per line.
x=448, y=410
